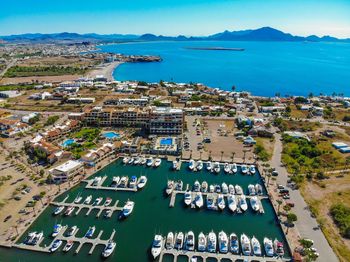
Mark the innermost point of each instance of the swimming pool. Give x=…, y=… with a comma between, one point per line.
x=166, y=141
x=111, y=135
x=68, y=142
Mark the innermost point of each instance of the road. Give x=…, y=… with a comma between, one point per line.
x=12, y=63
x=305, y=223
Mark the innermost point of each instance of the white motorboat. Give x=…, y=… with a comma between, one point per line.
x=88, y=200
x=255, y=203
x=123, y=181
x=223, y=242
x=143, y=161
x=131, y=160
x=56, y=230
x=108, y=213
x=244, y=169
x=216, y=167
x=149, y=162
x=243, y=203
x=55, y=245
x=204, y=187
x=137, y=160
x=258, y=189
x=127, y=209
x=202, y=242
x=142, y=182
x=157, y=246
x=256, y=247
x=199, y=199
x=78, y=199
x=157, y=162
x=252, y=169
x=109, y=248
x=126, y=160
x=71, y=231
x=211, y=240
x=191, y=165
x=175, y=165
x=90, y=232
x=179, y=185
x=169, y=243
x=179, y=240
x=217, y=189
x=210, y=202
x=279, y=249
x=37, y=238
x=133, y=182
x=170, y=187
x=209, y=166
x=224, y=188
x=234, y=243
x=234, y=168
x=232, y=203
x=96, y=181
x=251, y=190
x=199, y=165
x=245, y=244
x=97, y=201
x=196, y=186
x=211, y=188
x=189, y=241
x=107, y=202
x=58, y=210
x=68, y=245
x=238, y=189
x=231, y=189
x=188, y=198
x=115, y=181
x=29, y=239
x=268, y=247
x=221, y=202
x=69, y=211
x=227, y=168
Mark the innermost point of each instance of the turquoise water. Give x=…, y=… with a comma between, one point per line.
x=151, y=215
x=166, y=141
x=68, y=142
x=111, y=135
x=264, y=68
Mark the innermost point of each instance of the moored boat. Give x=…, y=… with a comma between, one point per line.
x=127, y=209
x=279, y=249
x=56, y=230
x=157, y=246
x=234, y=243
x=268, y=247
x=204, y=187
x=196, y=186
x=175, y=165
x=37, y=238
x=78, y=199
x=223, y=242
x=90, y=232
x=97, y=201
x=244, y=169
x=227, y=168
x=191, y=165
x=243, y=203
x=149, y=162
x=211, y=240
x=132, y=182
x=188, y=198
x=88, y=200
x=55, y=245
x=142, y=182
x=157, y=162
x=232, y=203
x=256, y=246
x=224, y=188
x=68, y=245
x=96, y=181
x=209, y=166
x=202, y=242
x=231, y=189
x=126, y=160
x=123, y=181
x=69, y=211
x=251, y=190
x=258, y=189
x=252, y=169
x=221, y=202
x=58, y=210
x=108, y=202
x=199, y=165
x=170, y=187
x=234, y=168
x=199, y=199
x=169, y=243
x=216, y=167
x=189, y=241
x=245, y=244
x=238, y=189
x=254, y=203
x=179, y=240
x=71, y=231
x=109, y=248
x=115, y=181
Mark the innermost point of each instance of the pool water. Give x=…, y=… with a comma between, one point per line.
x=111, y=135
x=68, y=142
x=166, y=141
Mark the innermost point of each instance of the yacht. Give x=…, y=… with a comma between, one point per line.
x=137, y=160
x=227, y=168
x=90, y=232
x=256, y=246
x=55, y=245
x=196, y=186
x=216, y=167
x=190, y=241
x=224, y=188
x=115, y=181
x=278, y=246
x=71, y=231
x=56, y=230
x=254, y=203
x=126, y=160
x=37, y=238
x=142, y=182
x=258, y=189
x=131, y=160
x=188, y=198
x=234, y=243
x=251, y=190
x=209, y=166
x=232, y=203
x=108, y=202
x=127, y=209
x=97, y=201
x=78, y=199
x=204, y=187
x=244, y=169
x=191, y=165
x=29, y=239
x=199, y=199
x=132, y=182
x=223, y=242
x=175, y=165
x=150, y=162
x=169, y=243
x=179, y=240
x=202, y=242
x=69, y=211
x=234, y=168
x=238, y=189
x=243, y=203
x=252, y=169
x=58, y=210
x=221, y=202
x=231, y=189
x=157, y=246
x=210, y=202
x=268, y=247
x=88, y=200
x=157, y=162
x=170, y=187
x=211, y=188
x=211, y=242
x=178, y=185
x=68, y=245
x=199, y=165
x=96, y=181
x=143, y=161
x=123, y=181
x=109, y=248
x=245, y=244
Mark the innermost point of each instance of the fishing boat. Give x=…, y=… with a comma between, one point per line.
x=256, y=246
x=88, y=200
x=278, y=246
x=244, y=169
x=170, y=187
x=115, y=181
x=202, y=242
x=179, y=184
x=223, y=242
x=211, y=188
x=227, y=168
x=199, y=165
x=131, y=160
x=109, y=248
x=56, y=230
x=58, y=210
x=188, y=198
x=96, y=181
x=69, y=211
x=234, y=243
x=123, y=181
x=232, y=203
x=252, y=169
x=68, y=245
x=251, y=190
x=137, y=160
x=90, y=232
x=199, y=199
x=55, y=245
x=133, y=182
x=149, y=162
x=234, y=168
x=221, y=202
x=245, y=244
x=71, y=231
x=157, y=162
x=258, y=189
x=143, y=161
x=179, y=240
x=169, y=243
x=157, y=246
x=254, y=203
x=204, y=187
x=126, y=160
x=127, y=209
x=37, y=238
x=189, y=241
x=175, y=165
x=231, y=189
x=243, y=203
x=191, y=165
x=196, y=186
x=209, y=166
x=142, y=182
x=211, y=242
x=238, y=189
x=78, y=199
x=97, y=201
x=268, y=247
x=216, y=167
x=108, y=202
x=224, y=188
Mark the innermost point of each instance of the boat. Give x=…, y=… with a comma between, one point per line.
x=244, y=169
x=175, y=165
x=196, y=186
x=223, y=242
x=137, y=160
x=188, y=198
x=37, y=238
x=55, y=245
x=88, y=200
x=68, y=245
x=126, y=160
x=245, y=244
x=232, y=203
x=209, y=166
x=179, y=240
x=170, y=187
x=199, y=199
x=258, y=189
x=169, y=243
x=194, y=259
x=132, y=182
x=202, y=242
x=142, y=182
x=108, y=213
x=252, y=169
x=268, y=247
x=231, y=189
x=234, y=244
x=58, y=210
x=56, y=230
x=211, y=242
x=69, y=211
x=227, y=168
x=178, y=185
x=78, y=199
x=71, y=231
x=254, y=203
x=234, y=168
x=149, y=162
x=189, y=241
x=97, y=201
x=210, y=202
x=238, y=189
x=157, y=162
x=123, y=181
x=221, y=202
x=108, y=202
x=251, y=190
x=191, y=165
x=211, y=188
x=143, y=161
x=131, y=160
x=109, y=248
x=127, y=209
x=90, y=232
x=157, y=246
x=204, y=187
x=243, y=203
x=199, y=165
x=224, y=188
x=29, y=239
x=217, y=188
x=278, y=246
x=256, y=246
x=96, y=181
x=115, y=181
x=216, y=167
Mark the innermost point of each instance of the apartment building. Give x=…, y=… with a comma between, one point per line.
x=164, y=120
x=95, y=156
x=61, y=131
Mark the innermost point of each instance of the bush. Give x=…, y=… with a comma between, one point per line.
x=341, y=216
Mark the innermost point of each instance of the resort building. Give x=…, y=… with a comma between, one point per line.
x=65, y=171
x=12, y=127
x=95, y=156
x=127, y=101
x=61, y=131
x=164, y=120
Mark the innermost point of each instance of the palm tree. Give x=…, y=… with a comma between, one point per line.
x=268, y=179
x=209, y=157
x=233, y=156
x=200, y=154
x=222, y=155
x=279, y=202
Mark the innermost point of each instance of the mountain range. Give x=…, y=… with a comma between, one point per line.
x=260, y=34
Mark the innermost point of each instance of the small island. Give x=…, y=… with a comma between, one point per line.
x=216, y=48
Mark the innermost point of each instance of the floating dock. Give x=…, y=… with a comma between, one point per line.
x=100, y=187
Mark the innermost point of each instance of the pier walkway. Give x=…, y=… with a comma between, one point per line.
x=100, y=187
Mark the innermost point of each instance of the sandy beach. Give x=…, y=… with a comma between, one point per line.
x=106, y=69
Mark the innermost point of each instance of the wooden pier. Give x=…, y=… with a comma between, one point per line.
x=100, y=187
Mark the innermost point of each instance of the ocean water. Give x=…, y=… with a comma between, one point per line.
x=264, y=68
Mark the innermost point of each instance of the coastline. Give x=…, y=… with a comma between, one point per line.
x=105, y=69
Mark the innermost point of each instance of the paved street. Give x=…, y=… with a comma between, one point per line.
x=305, y=223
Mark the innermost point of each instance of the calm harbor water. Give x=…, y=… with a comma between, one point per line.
x=151, y=215
x=264, y=68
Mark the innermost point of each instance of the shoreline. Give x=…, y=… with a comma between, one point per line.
x=106, y=69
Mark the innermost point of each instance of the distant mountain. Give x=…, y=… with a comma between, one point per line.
x=260, y=34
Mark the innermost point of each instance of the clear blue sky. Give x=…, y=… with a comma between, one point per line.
x=188, y=17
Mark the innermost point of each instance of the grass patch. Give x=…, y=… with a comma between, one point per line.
x=23, y=71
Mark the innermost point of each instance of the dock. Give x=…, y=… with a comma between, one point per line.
x=100, y=187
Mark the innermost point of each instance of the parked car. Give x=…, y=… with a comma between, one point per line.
x=280, y=186
x=274, y=173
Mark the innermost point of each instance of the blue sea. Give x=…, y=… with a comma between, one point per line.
x=264, y=68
